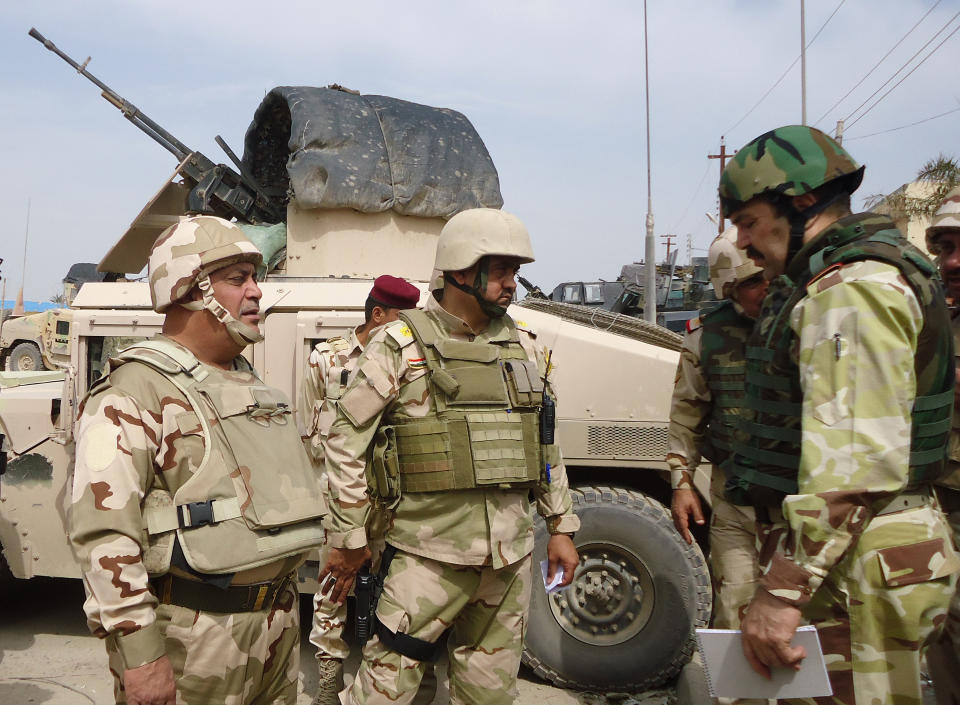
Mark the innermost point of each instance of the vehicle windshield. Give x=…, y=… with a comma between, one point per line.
x=571, y=293
x=593, y=294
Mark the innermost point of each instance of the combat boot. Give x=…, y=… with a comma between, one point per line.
x=330, y=682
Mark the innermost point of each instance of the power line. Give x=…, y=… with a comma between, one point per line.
x=905, y=64
x=902, y=127
x=867, y=75
x=932, y=52
x=696, y=192
x=784, y=74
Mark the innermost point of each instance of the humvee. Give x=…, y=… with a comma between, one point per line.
x=627, y=621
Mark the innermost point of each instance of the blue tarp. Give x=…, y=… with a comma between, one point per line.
x=30, y=306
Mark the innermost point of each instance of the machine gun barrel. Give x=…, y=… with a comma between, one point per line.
x=130, y=111
x=215, y=189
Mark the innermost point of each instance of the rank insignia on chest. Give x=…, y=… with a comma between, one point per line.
x=417, y=363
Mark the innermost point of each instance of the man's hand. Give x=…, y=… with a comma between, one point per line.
x=684, y=504
x=768, y=629
x=561, y=553
x=343, y=564
x=151, y=684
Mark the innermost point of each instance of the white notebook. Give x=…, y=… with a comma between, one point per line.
x=729, y=674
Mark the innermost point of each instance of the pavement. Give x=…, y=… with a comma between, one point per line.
x=48, y=656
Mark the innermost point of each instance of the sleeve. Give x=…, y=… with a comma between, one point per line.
x=373, y=387
x=552, y=493
x=858, y=332
x=689, y=412
x=311, y=399
x=117, y=442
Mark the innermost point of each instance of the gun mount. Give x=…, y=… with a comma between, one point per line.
x=215, y=189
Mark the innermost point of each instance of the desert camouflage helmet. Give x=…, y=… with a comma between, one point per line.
x=478, y=232
x=729, y=265
x=791, y=161
x=184, y=256
x=947, y=217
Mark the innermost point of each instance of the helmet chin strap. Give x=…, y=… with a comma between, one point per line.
x=491, y=309
x=799, y=219
x=241, y=333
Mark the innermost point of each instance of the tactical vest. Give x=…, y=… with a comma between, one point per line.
x=723, y=342
x=767, y=457
x=254, y=497
x=484, y=427
x=335, y=383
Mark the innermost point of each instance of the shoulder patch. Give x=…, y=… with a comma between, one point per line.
x=525, y=327
x=827, y=277
x=400, y=332
x=693, y=324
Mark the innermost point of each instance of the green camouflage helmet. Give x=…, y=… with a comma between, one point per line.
x=191, y=248
x=791, y=161
x=729, y=265
x=947, y=217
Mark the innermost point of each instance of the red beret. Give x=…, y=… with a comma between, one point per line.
x=394, y=292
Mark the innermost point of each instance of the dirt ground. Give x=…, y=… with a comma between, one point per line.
x=48, y=656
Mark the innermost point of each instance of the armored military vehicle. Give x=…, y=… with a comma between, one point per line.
x=337, y=188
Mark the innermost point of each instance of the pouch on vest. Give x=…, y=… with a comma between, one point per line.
x=385, y=468
x=250, y=417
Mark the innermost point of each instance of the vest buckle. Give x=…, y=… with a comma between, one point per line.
x=198, y=514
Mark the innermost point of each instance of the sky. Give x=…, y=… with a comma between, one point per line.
x=555, y=88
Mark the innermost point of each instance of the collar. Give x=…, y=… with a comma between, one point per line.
x=496, y=331
x=840, y=232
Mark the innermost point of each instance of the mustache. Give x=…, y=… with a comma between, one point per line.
x=753, y=252
x=249, y=309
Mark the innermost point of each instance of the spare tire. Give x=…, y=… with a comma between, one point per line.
x=626, y=622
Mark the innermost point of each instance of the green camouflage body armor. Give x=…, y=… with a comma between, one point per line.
x=723, y=343
x=254, y=497
x=767, y=457
x=484, y=430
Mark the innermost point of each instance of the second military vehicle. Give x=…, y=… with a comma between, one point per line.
x=337, y=188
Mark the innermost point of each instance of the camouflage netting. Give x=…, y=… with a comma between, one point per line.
x=331, y=148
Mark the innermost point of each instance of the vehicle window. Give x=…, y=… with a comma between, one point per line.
x=593, y=293
x=63, y=327
x=101, y=349
x=571, y=293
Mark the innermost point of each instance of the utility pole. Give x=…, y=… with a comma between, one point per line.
x=839, y=134
x=18, y=307
x=669, y=239
x=650, y=266
x=723, y=162
x=803, y=66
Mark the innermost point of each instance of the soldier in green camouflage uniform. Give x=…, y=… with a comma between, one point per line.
x=706, y=403
x=193, y=499
x=943, y=654
x=446, y=403
x=849, y=391
x=331, y=365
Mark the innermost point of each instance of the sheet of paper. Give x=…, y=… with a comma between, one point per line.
x=729, y=674
x=558, y=576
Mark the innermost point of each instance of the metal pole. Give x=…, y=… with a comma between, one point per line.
x=839, y=135
x=650, y=266
x=803, y=67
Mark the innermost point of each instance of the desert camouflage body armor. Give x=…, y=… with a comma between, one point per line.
x=722, y=344
x=254, y=497
x=485, y=428
x=767, y=456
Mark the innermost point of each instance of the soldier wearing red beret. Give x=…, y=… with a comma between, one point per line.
x=330, y=369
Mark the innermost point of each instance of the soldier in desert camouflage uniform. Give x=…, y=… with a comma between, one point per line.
x=943, y=655
x=849, y=390
x=447, y=402
x=706, y=403
x=193, y=500
x=330, y=367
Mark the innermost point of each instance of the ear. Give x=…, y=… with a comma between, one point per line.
x=377, y=316
x=803, y=202
x=465, y=277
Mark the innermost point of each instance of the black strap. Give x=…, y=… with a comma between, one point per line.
x=407, y=645
x=403, y=644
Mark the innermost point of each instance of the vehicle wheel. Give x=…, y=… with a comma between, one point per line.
x=626, y=622
x=25, y=357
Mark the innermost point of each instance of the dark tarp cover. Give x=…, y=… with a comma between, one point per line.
x=335, y=149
